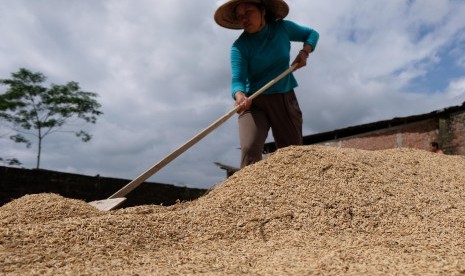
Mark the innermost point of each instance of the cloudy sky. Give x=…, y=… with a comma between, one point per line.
x=161, y=69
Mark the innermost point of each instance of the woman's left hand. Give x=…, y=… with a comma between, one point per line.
x=243, y=101
x=301, y=59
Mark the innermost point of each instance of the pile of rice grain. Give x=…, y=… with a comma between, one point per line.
x=303, y=211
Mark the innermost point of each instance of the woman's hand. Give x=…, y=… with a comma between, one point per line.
x=301, y=58
x=243, y=101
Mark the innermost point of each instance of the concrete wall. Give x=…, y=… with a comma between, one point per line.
x=455, y=135
x=15, y=183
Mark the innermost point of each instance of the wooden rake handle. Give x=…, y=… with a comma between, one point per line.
x=170, y=157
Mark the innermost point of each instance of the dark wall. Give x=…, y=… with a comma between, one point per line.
x=15, y=183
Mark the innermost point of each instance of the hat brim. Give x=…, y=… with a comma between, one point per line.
x=225, y=15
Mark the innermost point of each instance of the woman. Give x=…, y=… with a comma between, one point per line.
x=259, y=55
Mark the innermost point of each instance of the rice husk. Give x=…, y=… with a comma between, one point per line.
x=307, y=210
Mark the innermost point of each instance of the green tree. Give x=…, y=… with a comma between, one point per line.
x=31, y=109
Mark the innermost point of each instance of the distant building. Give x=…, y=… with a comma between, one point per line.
x=445, y=126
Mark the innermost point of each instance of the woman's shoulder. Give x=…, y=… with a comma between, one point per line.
x=286, y=22
x=283, y=24
x=240, y=39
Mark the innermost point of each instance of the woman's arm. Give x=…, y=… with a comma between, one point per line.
x=239, y=71
x=239, y=79
x=303, y=34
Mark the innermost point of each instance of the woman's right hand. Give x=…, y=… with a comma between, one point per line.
x=243, y=101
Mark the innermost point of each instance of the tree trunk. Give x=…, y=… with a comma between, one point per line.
x=39, y=149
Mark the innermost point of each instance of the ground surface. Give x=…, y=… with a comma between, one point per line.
x=303, y=211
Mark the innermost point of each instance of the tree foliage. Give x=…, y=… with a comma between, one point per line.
x=10, y=161
x=31, y=109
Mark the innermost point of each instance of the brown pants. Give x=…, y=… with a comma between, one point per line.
x=281, y=113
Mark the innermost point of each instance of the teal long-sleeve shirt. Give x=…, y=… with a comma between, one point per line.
x=258, y=58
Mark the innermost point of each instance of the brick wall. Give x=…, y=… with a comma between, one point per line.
x=420, y=135
x=416, y=135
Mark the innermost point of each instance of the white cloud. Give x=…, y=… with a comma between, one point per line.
x=455, y=92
